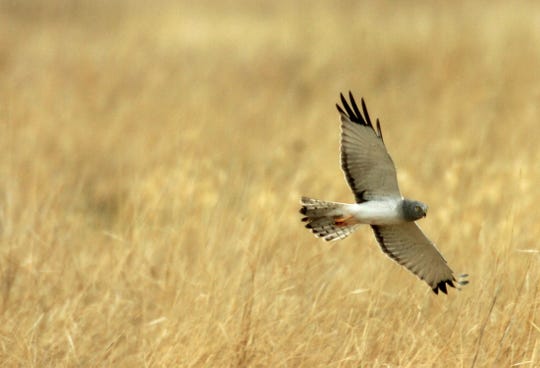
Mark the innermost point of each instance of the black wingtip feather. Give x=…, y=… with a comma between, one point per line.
x=379, y=131
x=354, y=105
x=366, y=114
x=352, y=112
x=442, y=286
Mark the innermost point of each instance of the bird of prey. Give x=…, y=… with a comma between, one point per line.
x=371, y=174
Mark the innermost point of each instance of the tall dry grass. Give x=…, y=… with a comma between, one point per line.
x=152, y=158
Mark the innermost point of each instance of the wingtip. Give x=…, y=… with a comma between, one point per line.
x=366, y=113
x=353, y=113
x=342, y=109
x=379, y=131
x=442, y=286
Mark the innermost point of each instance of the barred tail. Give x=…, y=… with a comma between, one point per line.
x=327, y=220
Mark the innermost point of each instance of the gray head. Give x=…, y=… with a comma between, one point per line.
x=413, y=210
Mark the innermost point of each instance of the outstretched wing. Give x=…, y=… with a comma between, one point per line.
x=368, y=167
x=407, y=245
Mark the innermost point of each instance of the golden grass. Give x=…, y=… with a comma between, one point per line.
x=152, y=158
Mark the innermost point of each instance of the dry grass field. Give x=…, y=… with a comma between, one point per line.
x=152, y=159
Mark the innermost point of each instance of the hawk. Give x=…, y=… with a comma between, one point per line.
x=371, y=174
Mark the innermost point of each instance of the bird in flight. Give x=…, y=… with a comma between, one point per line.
x=371, y=174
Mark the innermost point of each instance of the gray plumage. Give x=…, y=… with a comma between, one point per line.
x=371, y=174
x=413, y=210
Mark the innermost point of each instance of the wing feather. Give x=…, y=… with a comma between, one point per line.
x=368, y=168
x=408, y=245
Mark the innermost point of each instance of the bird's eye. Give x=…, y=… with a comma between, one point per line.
x=418, y=209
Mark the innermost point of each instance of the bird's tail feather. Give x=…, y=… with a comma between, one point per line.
x=327, y=220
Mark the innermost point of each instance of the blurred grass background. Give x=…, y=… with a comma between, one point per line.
x=152, y=158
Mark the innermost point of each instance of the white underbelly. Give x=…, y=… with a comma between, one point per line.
x=385, y=212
